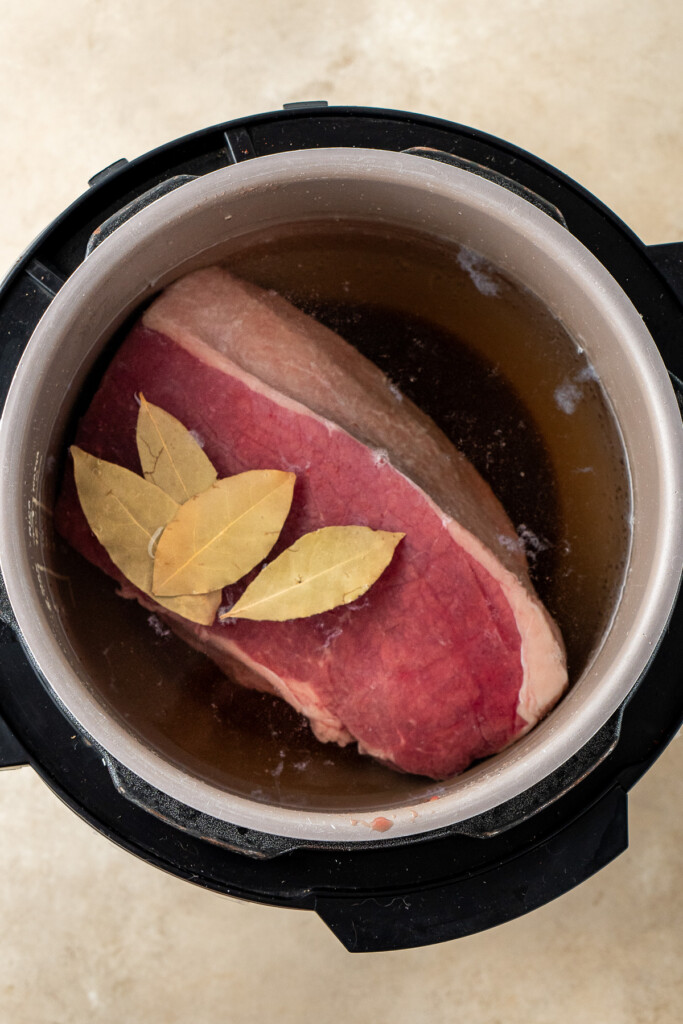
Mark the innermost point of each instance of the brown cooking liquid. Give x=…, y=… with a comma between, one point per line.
x=505, y=382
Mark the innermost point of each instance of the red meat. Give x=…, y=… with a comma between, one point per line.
x=449, y=656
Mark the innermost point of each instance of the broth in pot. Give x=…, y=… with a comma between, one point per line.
x=507, y=384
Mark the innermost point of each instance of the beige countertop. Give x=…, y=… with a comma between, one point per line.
x=89, y=933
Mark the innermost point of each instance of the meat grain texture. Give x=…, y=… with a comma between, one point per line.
x=450, y=656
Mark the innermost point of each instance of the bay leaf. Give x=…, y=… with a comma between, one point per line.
x=169, y=455
x=323, y=569
x=217, y=536
x=200, y=608
x=126, y=512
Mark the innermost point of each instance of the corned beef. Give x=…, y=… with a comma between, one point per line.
x=450, y=656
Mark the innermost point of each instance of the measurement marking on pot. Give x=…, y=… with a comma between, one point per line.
x=41, y=505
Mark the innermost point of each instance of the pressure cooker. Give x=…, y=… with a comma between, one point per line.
x=511, y=833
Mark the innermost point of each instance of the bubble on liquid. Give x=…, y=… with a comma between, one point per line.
x=509, y=543
x=157, y=625
x=586, y=374
x=477, y=268
x=533, y=544
x=567, y=396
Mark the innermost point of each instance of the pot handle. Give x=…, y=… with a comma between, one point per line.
x=258, y=845
x=495, y=176
x=108, y=226
x=668, y=259
x=550, y=789
x=502, y=893
x=12, y=754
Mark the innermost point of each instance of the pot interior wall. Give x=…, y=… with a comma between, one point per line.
x=502, y=378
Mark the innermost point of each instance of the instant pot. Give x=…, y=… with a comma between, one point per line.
x=510, y=834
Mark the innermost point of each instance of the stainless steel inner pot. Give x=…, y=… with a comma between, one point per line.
x=201, y=223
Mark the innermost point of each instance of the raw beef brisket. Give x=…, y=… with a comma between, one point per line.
x=450, y=656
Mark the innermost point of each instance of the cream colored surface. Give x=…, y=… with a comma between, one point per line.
x=596, y=88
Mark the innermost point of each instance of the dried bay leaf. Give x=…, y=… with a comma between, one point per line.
x=323, y=569
x=126, y=512
x=219, y=535
x=200, y=608
x=169, y=455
